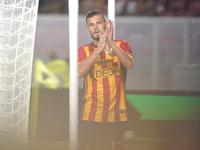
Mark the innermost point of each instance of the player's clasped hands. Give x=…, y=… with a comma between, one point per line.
x=109, y=35
x=102, y=40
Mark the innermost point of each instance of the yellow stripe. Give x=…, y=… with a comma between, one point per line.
x=99, y=111
x=118, y=43
x=112, y=99
x=122, y=104
x=100, y=93
x=122, y=100
x=89, y=101
x=87, y=51
x=111, y=115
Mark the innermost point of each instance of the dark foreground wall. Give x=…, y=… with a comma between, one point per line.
x=52, y=122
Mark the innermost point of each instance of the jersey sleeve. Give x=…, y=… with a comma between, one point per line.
x=81, y=54
x=127, y=48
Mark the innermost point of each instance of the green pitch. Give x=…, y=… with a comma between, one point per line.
x=173, y=108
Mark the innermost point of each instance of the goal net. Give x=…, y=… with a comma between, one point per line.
x=17, y=34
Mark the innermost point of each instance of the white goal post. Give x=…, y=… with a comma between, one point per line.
x=73, y=88
x=17, y=37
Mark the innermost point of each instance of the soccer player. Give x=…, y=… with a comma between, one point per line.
x=104, y=110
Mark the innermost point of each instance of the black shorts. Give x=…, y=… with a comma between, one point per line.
x=101, y=135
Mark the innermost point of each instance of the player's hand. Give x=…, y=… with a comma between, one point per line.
x=110, y=31
x=102, y=41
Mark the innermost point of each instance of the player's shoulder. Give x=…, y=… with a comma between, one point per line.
x=85, y=45
x=122, y=42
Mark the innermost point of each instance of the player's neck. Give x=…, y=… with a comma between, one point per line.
x=95, y=43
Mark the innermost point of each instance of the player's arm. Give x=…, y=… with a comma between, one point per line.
x=124, y=58
x=85, y=65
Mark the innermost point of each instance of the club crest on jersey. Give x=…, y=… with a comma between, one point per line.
x=111, y=53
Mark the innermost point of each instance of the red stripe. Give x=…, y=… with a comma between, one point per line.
x=116, y=111
x=125, y=100
x=83, y=110
x=103, y=55
x=86, y=87
x=94, y=101
x=123, y=86
x=91, y=48
x=106, y=99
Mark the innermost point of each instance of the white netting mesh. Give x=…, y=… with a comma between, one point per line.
x=17, y=33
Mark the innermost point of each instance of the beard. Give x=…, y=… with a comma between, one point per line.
x=96, y=38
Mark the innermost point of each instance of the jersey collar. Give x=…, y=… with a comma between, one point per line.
x=94, y=45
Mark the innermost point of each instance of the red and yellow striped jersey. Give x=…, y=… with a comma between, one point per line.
x=104, y=86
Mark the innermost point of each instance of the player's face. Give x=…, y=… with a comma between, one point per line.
x=94, y=24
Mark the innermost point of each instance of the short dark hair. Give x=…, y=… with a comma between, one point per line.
x=93, y=13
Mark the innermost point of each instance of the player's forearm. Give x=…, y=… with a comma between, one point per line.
x=124, y=58
x=85, y=66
